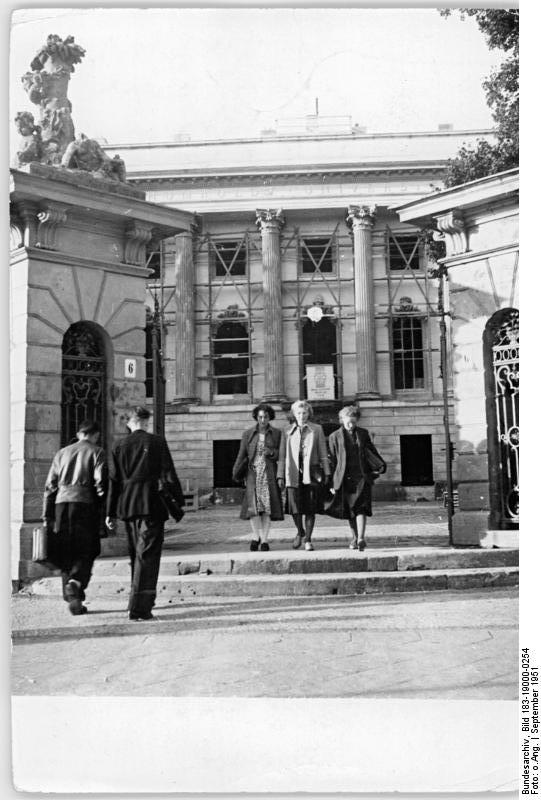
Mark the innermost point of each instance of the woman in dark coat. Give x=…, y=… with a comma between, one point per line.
x=256, y=465
x=355, y=464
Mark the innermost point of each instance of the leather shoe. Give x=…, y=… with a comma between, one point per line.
x=77, y=608
x=362, y=544
x=133, y=615
x=254, y=544
x=265, y=547
x=308, y=546
x=297, y=541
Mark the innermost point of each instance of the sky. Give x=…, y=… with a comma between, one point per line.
x=209, y=73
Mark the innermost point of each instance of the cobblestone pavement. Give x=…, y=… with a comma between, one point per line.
x=437, y=645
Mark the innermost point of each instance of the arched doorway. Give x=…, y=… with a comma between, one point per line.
x=501, y=357
x=83, y=380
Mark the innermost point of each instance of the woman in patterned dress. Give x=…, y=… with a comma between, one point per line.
x=256, y=465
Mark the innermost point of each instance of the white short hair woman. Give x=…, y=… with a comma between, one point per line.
x=303, y=465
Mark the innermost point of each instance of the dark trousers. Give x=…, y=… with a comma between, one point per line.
x=145, y=540
x=75, y=544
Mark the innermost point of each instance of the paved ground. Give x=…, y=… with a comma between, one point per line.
x=450, y=644
x=218, y=528
x=436, y=645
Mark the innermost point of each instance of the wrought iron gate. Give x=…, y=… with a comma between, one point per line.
x=505, y=365
x=83, y=381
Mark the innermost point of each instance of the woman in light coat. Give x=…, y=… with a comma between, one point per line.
x=303, y=466
x=355, y=464
x=256, y=464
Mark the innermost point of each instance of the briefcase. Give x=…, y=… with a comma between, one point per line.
x=39, y=544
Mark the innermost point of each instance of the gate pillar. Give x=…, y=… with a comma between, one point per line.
x=77, y=258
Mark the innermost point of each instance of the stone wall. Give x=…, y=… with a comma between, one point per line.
x=191, y=435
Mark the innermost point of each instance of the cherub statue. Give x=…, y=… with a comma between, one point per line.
x=32, y=145
x=88, y=155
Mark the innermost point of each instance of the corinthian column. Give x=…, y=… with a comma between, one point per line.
x=269, y=222
x=361, y=221
x=185, y=328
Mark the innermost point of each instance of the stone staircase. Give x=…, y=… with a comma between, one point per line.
x=282, y=573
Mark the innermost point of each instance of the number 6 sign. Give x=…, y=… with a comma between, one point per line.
x=130, y=368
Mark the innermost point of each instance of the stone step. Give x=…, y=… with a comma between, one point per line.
x=320, y=561
x=171, y=588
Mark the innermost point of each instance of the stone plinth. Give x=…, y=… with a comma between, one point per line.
x=78, y=254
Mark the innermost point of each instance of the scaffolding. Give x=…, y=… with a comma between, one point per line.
x=228, y=292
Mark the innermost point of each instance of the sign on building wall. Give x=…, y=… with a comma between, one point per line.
x=130, y=368
x=320, y=382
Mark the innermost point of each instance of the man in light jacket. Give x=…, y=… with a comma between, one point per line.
x=72, y=511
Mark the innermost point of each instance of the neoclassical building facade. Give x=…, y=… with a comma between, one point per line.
x=298, y=280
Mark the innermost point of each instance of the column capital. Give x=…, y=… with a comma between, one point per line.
x=269, y=218
x=361, y=216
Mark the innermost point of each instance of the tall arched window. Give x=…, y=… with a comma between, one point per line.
x=83, y=380
x=501, y=361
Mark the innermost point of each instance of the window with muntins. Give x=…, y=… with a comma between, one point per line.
x=408, y=355
x=404, y=250
x=231, y=360
x=317, y=254
x=228, y=257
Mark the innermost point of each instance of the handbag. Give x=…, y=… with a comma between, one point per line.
x=39, y=544
x=374, y=462
x=241, y=472
x=169, y=501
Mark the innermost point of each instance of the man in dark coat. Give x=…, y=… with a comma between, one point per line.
x=72, y=507
x=141, y=463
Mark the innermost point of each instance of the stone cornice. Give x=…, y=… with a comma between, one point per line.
x=302, y=137
x=57, y=257
x=469, y=197
x=98, y=198
x=477, y=255
x=271, y=175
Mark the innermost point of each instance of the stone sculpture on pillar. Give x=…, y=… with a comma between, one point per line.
x=52, y=141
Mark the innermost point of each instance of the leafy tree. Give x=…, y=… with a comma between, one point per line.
x=501, y=29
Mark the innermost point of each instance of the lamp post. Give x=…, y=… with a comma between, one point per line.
x=441, y=274
x=158, y=382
